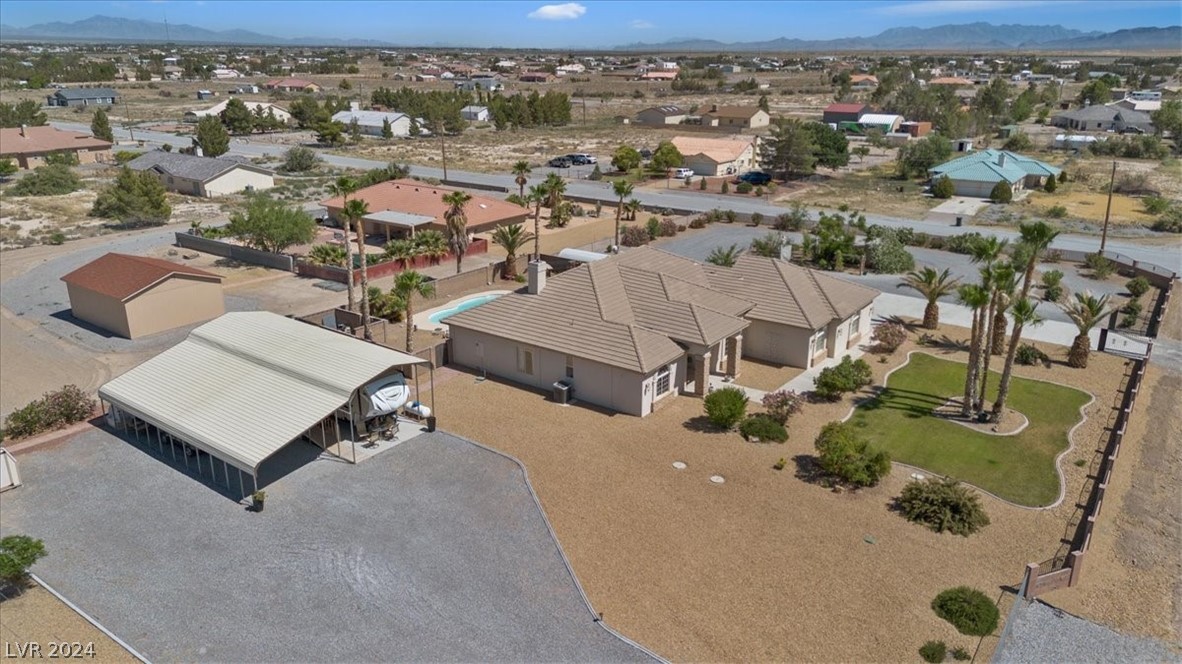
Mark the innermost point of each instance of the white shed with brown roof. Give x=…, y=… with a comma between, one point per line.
x=134, y=296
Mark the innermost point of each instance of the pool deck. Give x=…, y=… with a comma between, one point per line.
x=423, y=319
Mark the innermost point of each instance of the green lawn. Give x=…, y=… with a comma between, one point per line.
x=1018, y=468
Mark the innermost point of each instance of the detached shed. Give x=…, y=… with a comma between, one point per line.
x=134, y=296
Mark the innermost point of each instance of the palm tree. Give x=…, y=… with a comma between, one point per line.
x=632, y=207
x=1086, y=312
x=385, y=305
x=1001, y=283
x=343, y=187
x=403, y=251
x=555, y=188
x=623, y=189
x=988, y=250
x=538, y=195
x=457, y=224
x=432, y=244
x=933, y=286
x=327, y=254
x=407, y=285
x=511, y=238
x=354, y=212
x=724, y=257
x=521, y=169
x=1025, y=315
x=976, y=297
x=1036, y=238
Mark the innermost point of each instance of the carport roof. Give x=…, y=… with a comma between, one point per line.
x=246, y=384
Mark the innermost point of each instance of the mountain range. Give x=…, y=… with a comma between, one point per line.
x=111, y=29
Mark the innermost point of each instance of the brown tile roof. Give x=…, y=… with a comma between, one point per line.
x=846, y=108
x=789, y=294
x=121, y=276
x=39, y=140
x=740, y=112
x=420, y=198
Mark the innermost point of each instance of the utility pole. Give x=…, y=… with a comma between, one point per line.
x=127, y=112
x=1108, y=210
x=442, y=149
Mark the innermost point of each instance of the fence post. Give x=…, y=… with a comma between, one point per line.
x=1075, y=562
x=1031, y=578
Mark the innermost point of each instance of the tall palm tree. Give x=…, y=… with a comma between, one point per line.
x=1001, y=284
x=344, y=186
x=355, y=211
x=457, y=224
x=555, y=188
x=988, y=250
x=538, y=195
x=1086, y=312
x=521, y=169
x=1036, y=238
x=933, y=286
x=1025, y=314
x=407, y=285
x=622, y=189
x=976, y=297
x=511, y=238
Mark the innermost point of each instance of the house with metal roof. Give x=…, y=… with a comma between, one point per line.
x=82, y=97
x=203, y=176
x=1104, y=118
x=661, y=115
x=371, y=123
x=977, y=173
x=627, y=331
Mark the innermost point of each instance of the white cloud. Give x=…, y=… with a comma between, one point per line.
x=939, y=7
x=563, y=12
x=639, y=24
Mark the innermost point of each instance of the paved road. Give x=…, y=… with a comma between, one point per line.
x=1167, y=257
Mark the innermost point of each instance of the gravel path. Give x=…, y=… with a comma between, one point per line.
x=1039, y=632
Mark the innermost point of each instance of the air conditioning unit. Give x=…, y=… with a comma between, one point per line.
x=563, y=392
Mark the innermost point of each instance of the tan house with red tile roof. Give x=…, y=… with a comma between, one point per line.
x=29, y=146
x=291, y=85
x=134, y=296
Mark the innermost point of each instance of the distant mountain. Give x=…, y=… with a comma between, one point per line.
x=111, y=29
x=966, y=37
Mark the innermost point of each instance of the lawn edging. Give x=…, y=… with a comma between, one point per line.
x=1083, y=418
x=85, y=616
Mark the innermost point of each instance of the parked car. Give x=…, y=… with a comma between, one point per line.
x=755, y=177
x=581, y=158
x=559, y=162
x=683, y=173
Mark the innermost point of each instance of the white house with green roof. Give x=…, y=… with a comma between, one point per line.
x=977, y=173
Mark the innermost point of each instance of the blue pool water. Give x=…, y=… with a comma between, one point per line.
x=439, y=316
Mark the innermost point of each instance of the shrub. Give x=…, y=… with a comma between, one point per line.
x=961, y=655
x=668, y=228
x=1002, y=193
x=730, y=216
x=726, y=187
x=1050, y=186
x=516, y=200
x=702, y=184
x=124, y=156
x=634, y=236
x=653, y=227
x=56, y=238
x=779, y=465
x=756, y=218
x=1131, y=311
x=1138, y=287
x=725, y=407
x=697, y=223
x=744, y=187
x=888, y=337
x=942, y=504
x=1100, y=266
x=1170, y=221
x=1052, y=291
x=933, y=651
x=134, y=198
x=300, y=159
x=1155, y=204
x=17, y=554
x=1062, y=177
x=1056, y=211
x=577, y=210
x=54, y=410
x=943, y=188
x=848, y=376
x=596, y=174
x=763, y=428
x=969, y=610
x=887, y=255
x=1029, y=355
x=845, y=454
x=782, y=405
x=49, y=180
x=961, y=244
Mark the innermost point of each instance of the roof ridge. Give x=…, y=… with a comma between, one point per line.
x=780, y=267
x=817, y=284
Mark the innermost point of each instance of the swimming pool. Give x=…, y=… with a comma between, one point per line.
x=440, y=315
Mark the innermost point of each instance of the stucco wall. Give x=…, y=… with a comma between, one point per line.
x=778, y=344
x=97, y=309
x=175, y=302
x=972, y=188
x=236, y=181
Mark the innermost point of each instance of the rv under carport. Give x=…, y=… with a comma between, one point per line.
x=245, y=385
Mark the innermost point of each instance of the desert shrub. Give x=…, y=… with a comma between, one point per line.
x=844, y=453
x=1138, y=286
x=779, y=465
x=56, y=238
x=730, y=216
x=300, y=159
x=577, y=210
x=1029, y=355
x=744, y=188
x=54, y=410
x=124, y=156
x=516, y=200
x=887, y=255
x=697, y=222
x=933, y=651
x=961, y=244
x=943, y=188
x=756, y=218
x=17, y=554
x=49, y=180
x=634, y=236
x=795, y=220
x=1100, y=266
x=782, y=405
x=970, y=611
x=848, y=376
x=1155, y=204
x=1052, y=289
x=942, y=504
x=1002, y=193
x=763, y=428
x=961, y=655
x=668, y=228
x=596, y=174
x=1170, y=220
x=1131, y=311
x=1056, y=211
x=653, y=227
x=1051, y=185
x=888, y=337
x=726, y=407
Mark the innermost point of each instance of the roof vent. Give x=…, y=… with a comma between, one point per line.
x=1001, y=159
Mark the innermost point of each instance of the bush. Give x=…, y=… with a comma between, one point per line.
x=888, y=337
x=756, y=218
x=845, y=454
x=1155, y=204
x=1100, y=266
x=697, y=223
x=1002, y=193
x=653, y=227
x=725, y=407
x=300, y=159
x=961, y=655
x=668, y=228
x=702, y=184
x=134, y=198
x=969, y=610
x=596, y=174
x=933, y=651
x=17, y=554
x=52, y=411
x=1029, y=355
x=730, y=216
x=1138, y=287
x=1052, y=291
x=849, y=376
x=726, y=187
x=943, y=505
x=1056, y=211
x=50, y=180
x=516, y=200
x=744, y=187
x=1170, y=221
x=1131, y=311
x=124, y=156
x=782, y=405
x=1050, y=186
x=961, y=244
x=634, y=236
x=763, y=428
x=943, y=188
x=56, y=238
x=887, y=255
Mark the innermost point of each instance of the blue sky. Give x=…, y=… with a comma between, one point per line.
x=588, y=24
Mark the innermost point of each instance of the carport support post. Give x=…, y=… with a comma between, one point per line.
x=241, y=490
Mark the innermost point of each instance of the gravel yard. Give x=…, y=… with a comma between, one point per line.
x=1041, y=633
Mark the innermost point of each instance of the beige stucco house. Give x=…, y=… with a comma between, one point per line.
x=203, y=176
x=717, y=156
x=29, y=147
x=134, y=296
x=744, y=117
x=629, y=331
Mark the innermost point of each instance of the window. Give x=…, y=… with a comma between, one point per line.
x=856, y=325
x=821, y=342
x=570, y=366
x=662, y=381
x=525, y=361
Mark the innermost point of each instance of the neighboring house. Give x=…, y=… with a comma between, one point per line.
x=371, y=122
x=717, y=156
x=404, y=207
x=291, y=85
x=82, y=97
x=223, y=73
x=662, y=75
x=485, y=84
x=475, y=113
x=134, y=296
x=1142, y=105
x=863, y=82
x=747, y=117
x=916, y=129
x=203, y=176
x=886, y=122
x=955, y=81
x=838, y=113
x=661, y=115
x=537, y=77
x=977, y=173
x=1104, y=118
x=280, y=113
x=29, y=146
x=628, y=331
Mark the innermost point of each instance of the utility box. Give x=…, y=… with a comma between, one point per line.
x=563, y=392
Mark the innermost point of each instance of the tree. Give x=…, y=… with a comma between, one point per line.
x=667, y=156
x=622, y=189
x=457, y=224
x=1002, y=192
x=555, y=189
x=538, y=196
x=355, y=130
x=916, y=158
x=7, y=167
x=212, y=137
x=887, y=255
x=353, y=215
x=1051, y=185
x=331, y=133
x=237, y=117
x=1036, y=238
x=408, y=285
x=626, y=158
x=976, y=298
x=998, y=279
x=387, y=130
x=1095, y=92
x=1086, y=312
x=763, y=104
x=943, y=188
x=521, y=171
x=1168, y=120
x=344, y=187
x=862, y=151
x=770, y=245
x=300, y=159
x=991, y=99
x=845, y=453
x=269, y=225
x=511, y=238
x=789, y=149
x=724, y=256
x=135, y=199
x=48, y=180
x=27, y=112
x=1018, y=142
x=1024, y=313
x=832, y=242
x=832, y=148
x=17, y=554
x=100, y=126
x=943, y=504
x=847, y=376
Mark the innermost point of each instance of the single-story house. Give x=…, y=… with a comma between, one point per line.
x=838, y=113
x=291, y=85
x=537, y=77
x=661, y=115
x=977, y=173
x=1073, y=141
x=203, y=176
x=485, y=84
x=29, y=146
x=134, y=296
x=475, y=113
x=717, y=156
x=1104, y=117
x=916, y=129
x=888, y=123
x=82, y=97
x=658, y=76
x=747, y=117
x=371, y=122
x=279, y=112
x=955, y=81
x=404, y=207
x=1142, y=105
x=863, y=82
x=631, y=330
